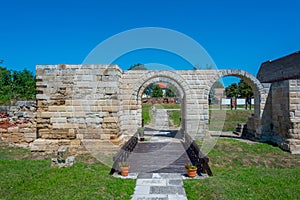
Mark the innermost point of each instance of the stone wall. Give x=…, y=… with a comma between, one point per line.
x=78, y=106
x=281, y=115
x=285, y=68
x=18, y=123
x=96, y=108
x=292, y=141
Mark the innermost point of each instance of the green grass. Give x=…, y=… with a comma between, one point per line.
x=174, y=115
x=174, y=118
x=248, y=171
x=227, y=120
x=168, y=106
x=35, y=179
x=146, y=113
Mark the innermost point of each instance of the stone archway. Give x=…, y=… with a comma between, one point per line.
x=102, y=103
x=254, y=122
x=140, y=81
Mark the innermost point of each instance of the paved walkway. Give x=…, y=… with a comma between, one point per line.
x=162, y=186
x=161, y=119
x=163, y=152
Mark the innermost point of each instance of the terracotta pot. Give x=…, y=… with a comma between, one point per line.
x=124, y=171
x=191, y=172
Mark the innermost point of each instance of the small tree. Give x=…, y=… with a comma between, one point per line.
x=157, y=92
x=137, y=66
x=245, y=91
x=169, y=93
x=232, y=91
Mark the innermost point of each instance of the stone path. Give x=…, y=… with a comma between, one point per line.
x=163, y=152
x=162, y=186
x=161, y=119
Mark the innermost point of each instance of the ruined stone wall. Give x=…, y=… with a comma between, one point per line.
x=195, y=86
x=96, y=108
x=292, y=142
x=285, y=68
x=281, y=117
x=18, y=123
x=77, y=104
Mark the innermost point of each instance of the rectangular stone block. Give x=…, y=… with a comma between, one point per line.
x=110, y=108
x=58, y=120
x=30, y=135
x=13, y=129
x=64, y=126
x=110, y=119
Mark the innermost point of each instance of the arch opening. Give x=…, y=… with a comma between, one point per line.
x=164, y=112
x=239, y=107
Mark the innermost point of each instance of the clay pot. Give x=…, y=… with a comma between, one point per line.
x=124, y=171
x=191, y=172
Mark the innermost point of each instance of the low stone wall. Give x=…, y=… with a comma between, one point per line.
x=18, y=123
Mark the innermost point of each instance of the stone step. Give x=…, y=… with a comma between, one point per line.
x=159, y=186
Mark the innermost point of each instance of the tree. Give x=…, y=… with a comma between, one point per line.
x=242, y=89
x=245, y=91
x=16, y=85
x=169, y=93
x=137, y=66
x=149, y=89
x=24, y=85
x=233, y=92
x=157, y=92
x=5, y=86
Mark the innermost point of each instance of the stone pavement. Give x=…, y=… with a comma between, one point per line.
x=162, y=186
x=161, y=119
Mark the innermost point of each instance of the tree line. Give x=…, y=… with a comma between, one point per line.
x=16, y=86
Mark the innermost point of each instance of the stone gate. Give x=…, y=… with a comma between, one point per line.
x=101, y=105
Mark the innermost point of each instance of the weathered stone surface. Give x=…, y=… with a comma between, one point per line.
x=102, y=102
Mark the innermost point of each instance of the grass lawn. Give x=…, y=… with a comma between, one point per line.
x=227, y=120
x=248, y=171
x=174, y=114
x=24, y=177
x=174, y=118
x=146, y=113
x=168, y=106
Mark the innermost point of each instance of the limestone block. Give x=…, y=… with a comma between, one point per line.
x=110, y=119
x=58, y=120
x=75, y=143
x=78, y=114
x=42, y=97
x=14, y=129
x=3, y=130
x=13, y=137
x=110, y=108
x=30, y=135
x=44, y=145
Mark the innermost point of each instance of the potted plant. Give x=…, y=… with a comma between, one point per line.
x=124, y=167
x=141, y=133
x=191, y=170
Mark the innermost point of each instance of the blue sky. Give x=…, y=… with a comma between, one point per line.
x=236, y=34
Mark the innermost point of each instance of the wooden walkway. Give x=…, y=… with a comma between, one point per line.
x=163, y=153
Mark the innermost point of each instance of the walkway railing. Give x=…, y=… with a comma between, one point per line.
x=197, y=157
x=124, y=152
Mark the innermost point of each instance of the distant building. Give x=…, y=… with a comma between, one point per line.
x=219, y=93
x=163, y=87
